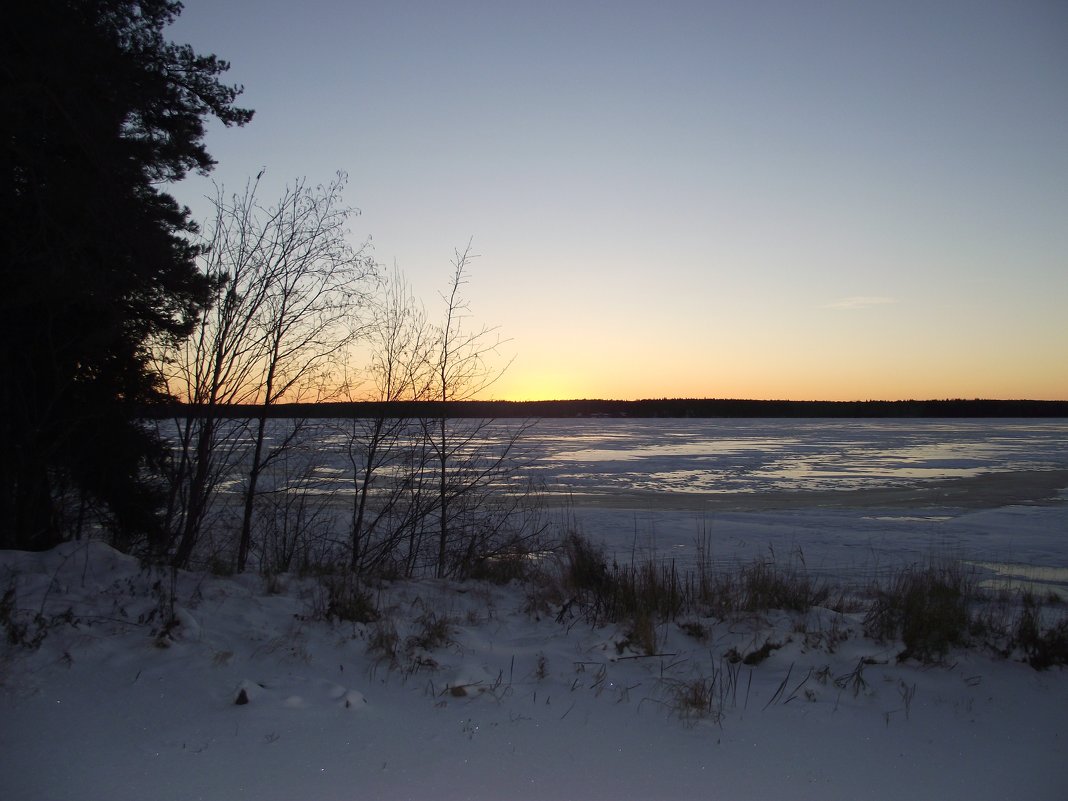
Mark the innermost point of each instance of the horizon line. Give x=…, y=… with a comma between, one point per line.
x=662, y=399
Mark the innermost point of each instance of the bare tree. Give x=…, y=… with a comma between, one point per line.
x=317, y=284
x=214, y=368
x=435, y=494
x=469, y=457
x=399, y=340
x=289, y=290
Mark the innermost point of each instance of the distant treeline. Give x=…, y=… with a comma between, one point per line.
x=668, y=407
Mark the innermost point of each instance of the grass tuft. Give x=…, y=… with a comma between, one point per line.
x=766, y=585
x=435, y=631
x=384, y=641
x=695, y=699
x=347, y=600
x=1043, y=647
x=927, y=608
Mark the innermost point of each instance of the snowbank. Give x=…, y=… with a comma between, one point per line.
x=469, y=691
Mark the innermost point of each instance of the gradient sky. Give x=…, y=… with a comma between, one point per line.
x=832, y=200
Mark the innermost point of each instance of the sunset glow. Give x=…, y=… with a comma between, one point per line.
x=700, y=200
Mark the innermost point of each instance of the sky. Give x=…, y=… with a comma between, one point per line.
x=819, y=200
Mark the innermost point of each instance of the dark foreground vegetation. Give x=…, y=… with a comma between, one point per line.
x=101, y=112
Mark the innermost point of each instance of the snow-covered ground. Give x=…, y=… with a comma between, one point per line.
x=502, y=700
x=509, y=703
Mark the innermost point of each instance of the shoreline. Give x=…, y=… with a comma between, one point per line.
x=986, y=491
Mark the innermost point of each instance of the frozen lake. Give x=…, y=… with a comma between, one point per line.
x=757, y=456
x=851, y=498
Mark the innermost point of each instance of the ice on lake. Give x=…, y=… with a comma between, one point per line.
x=851, y=498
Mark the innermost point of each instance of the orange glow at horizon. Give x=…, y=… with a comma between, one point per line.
x=822, y=386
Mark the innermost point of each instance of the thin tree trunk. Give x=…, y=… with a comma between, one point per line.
x=443, y=496
x=244, y=544
x=198, y=490
x=358, y=512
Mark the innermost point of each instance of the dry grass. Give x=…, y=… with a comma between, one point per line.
x=928, y=609
x=659, y=590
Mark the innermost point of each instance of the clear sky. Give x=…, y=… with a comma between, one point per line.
x=829, y=200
